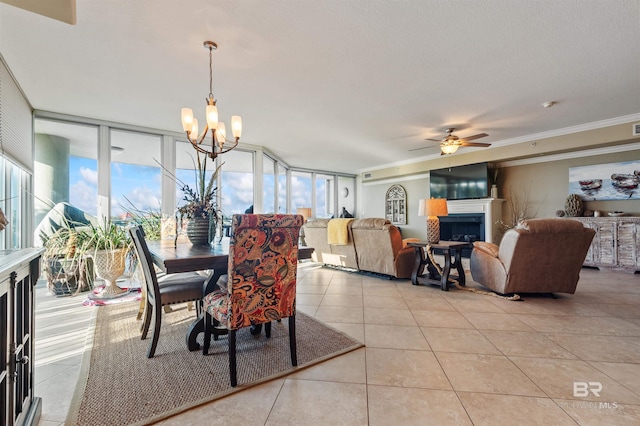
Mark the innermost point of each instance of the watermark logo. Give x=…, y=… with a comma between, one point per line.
x=586, y=389
x=583, y=389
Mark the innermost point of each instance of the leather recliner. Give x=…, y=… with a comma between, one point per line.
x=538, y=256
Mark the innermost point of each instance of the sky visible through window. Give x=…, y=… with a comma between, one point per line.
x=141, y=185
x=83, y=184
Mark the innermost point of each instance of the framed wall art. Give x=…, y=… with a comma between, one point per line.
x=611, y=181
x=396, y=205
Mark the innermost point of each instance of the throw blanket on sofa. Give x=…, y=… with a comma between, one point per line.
x=338, y=231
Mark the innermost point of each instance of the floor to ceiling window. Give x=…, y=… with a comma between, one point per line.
x=66, y=167
x=282, y=189
x=13, y=181
x=236, y=188
x=135, y=174
x=186, y=164
x=301, y=189
x=69, y=168
x=268, y=185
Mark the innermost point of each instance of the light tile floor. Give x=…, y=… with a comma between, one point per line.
x=431, y=357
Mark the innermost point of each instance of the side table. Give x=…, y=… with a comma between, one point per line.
x=423, y=250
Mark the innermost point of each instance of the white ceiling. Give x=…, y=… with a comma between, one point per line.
x=336, y=85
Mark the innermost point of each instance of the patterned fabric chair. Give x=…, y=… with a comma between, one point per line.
x=260, y=286
x=169, y=289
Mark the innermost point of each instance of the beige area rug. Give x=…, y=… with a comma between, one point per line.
x=119, y=385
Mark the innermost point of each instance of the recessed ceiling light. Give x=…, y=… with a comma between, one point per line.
x=549, y=104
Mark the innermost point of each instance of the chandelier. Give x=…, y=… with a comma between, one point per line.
x=219, y=144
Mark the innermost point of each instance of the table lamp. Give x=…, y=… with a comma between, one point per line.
x=432, y=208
x=305, y=212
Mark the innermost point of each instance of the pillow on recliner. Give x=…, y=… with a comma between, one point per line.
x=486, y=247
x=409, y=240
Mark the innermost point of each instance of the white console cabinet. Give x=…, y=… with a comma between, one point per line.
x=616, y=244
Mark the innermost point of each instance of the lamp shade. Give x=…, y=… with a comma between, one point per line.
x=236, y=126
x=187, y=119
x=212, y=117
x=433, y=207
x=221, y=133
x=193, y=132
x=305, y=212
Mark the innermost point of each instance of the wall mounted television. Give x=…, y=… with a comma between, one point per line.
x=460, y=182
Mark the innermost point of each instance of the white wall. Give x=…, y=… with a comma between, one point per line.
x=373, y=202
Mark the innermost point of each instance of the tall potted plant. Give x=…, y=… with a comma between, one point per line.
x=200, y=206
x=108, y=245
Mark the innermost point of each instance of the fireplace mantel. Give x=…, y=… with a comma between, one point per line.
x=490, y=207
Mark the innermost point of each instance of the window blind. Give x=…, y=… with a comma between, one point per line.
x=16, y=122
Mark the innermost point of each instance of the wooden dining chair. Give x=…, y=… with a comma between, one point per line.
x=170, y=289
x=260, y=285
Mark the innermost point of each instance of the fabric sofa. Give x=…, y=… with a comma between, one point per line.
x=315, y=235
x=538, y=256
x=375, y=245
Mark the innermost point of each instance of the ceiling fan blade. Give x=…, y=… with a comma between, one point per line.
x=478, y=136
x=475, y=144
x=435, y=140
x=424, y=147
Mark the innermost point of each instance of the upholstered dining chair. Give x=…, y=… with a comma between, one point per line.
x=168, y=290
x=260, y=285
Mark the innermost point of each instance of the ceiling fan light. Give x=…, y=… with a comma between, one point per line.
x=449, y=148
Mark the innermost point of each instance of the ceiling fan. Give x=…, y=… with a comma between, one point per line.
x=450, y=143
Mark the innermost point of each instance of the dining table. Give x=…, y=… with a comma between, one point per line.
x=182, y=256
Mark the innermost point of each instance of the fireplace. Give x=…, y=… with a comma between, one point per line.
x=468, y=227
x=490, y=209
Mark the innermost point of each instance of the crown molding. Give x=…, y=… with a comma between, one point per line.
x=398, y=179
x=527, y=138
x=573, y=154
x=570, y=130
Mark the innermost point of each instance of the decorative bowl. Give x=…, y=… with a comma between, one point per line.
x=615, y=214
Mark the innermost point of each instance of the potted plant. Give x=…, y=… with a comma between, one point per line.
x=200, y=206
x=108, y=245
x=150, y=220
x=67, y=270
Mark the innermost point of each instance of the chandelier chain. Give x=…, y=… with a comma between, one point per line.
x=210, y=73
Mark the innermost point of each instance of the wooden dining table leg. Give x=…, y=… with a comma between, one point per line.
x=197, y=326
